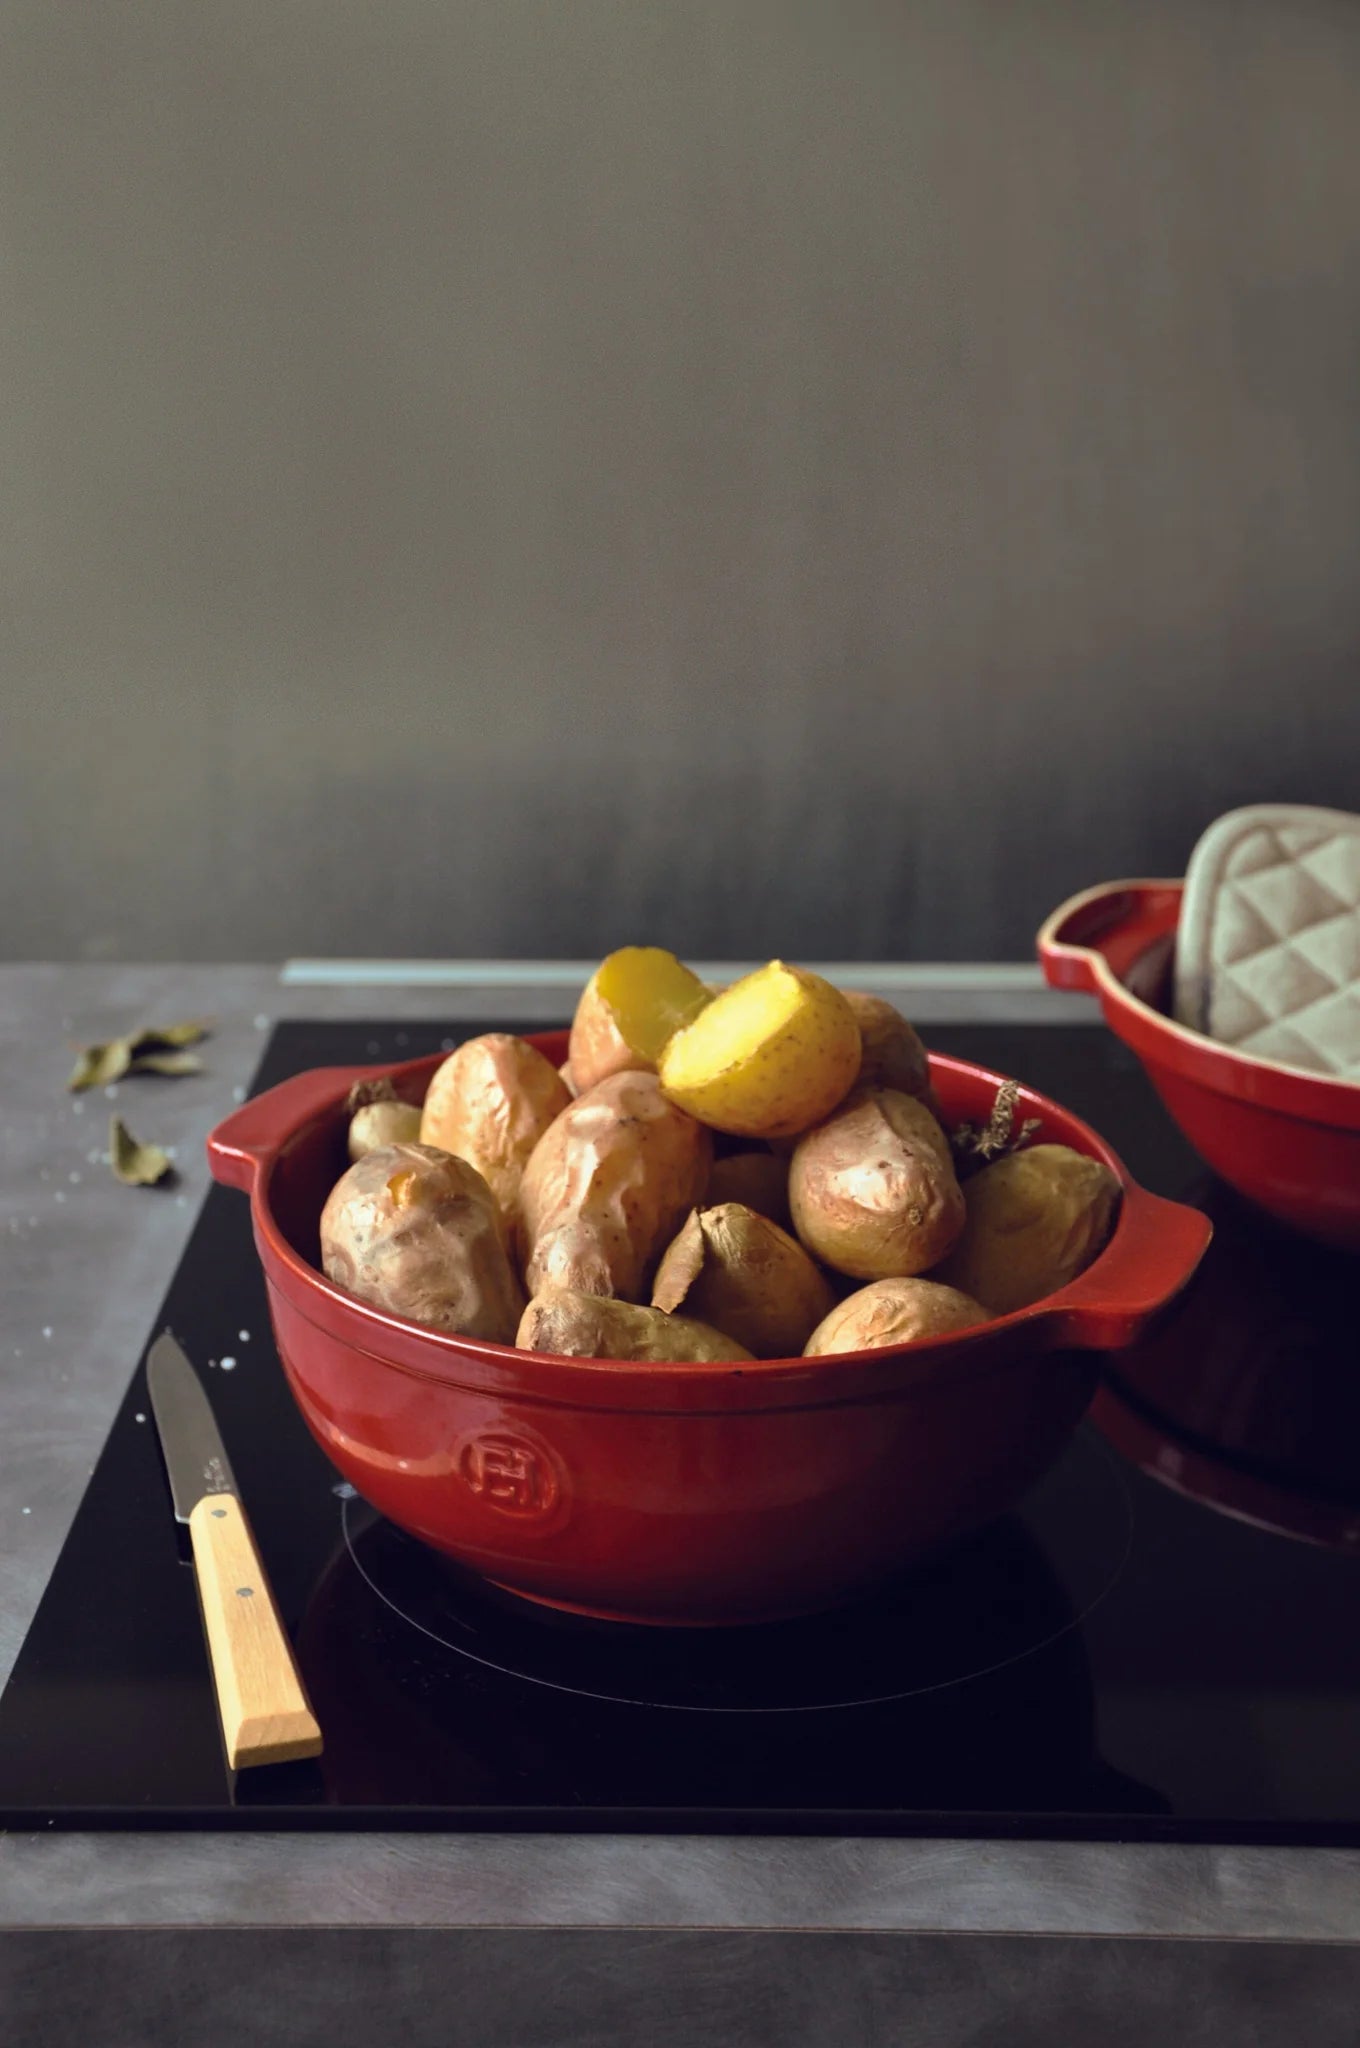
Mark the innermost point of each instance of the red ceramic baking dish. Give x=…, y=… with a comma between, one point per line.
x=1286, y=1139
x=691, y=1494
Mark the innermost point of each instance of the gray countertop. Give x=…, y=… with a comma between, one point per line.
x=86, y=1262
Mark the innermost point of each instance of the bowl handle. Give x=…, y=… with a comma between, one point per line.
x=1152, y=1256
x=245, y=1142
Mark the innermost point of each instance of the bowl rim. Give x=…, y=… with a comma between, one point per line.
x=1212, y=1057
x=1051, y=1322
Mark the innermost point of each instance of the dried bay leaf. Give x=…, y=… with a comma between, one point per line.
x=166, y=1063
x=98, y=1065
x=136, y=1165
x=141, y=1052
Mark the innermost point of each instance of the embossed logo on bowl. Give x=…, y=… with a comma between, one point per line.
x=509, y=1473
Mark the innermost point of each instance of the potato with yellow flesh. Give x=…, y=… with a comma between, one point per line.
x=758, y=1180
x=415, y=1231
x=1036, y=1218
x=894, y=1312
x=770, y=1056
x=873, y=1189
x=608, y=1185
x=574, y=1325
x=636, y=1000
x=375, y=1124
x=490, y=1102
x=737, y=1270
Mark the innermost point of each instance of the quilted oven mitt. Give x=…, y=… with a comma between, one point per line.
x=1268, y=947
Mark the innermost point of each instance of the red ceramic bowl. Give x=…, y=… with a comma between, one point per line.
x=1286, y=1139
x=692, y=1494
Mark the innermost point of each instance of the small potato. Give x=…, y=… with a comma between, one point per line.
x=635, y=1001
x=893, y=1056
x=376, y=1124
x=490, y=1102
x=588, y=1326
x=873, y=1189
x=759, y=1180
x=565, y=1074
x=608, y=1185
x=740, y=1272
x=769, y=1057
x=414, y=1231
x=1035, y=1219
x=894, y=1312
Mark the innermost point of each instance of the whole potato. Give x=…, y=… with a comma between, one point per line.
x=607, y=1187
x=375, y=1124
x=737, y=1270
x=768, y=1057
x=894, y=1312
x=574, y=1325
x=490, y=1102
x=892, y=1055
x=1035, y=1219
x=873, y=1189
x=758, y=1180
x=415, y=1231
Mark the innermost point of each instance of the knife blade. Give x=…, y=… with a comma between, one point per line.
x=265, y=1714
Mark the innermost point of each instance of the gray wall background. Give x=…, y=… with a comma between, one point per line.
x=504, y=476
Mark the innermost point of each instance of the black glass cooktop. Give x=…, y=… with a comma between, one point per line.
x=1163, y=1643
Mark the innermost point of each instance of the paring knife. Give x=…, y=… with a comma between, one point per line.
x=265, y=1715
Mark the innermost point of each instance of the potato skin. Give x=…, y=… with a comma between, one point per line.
x=490, y=1103
x=1035, y=1219
x=873, y=1189
x=607, y=1187
x=736, y=1270
x=893, y=1055
x=375, y=1124
x=758, y=1180
x=597, y=1048
x=575, y=1325
x=779, y=1087
x=894, y=1312
x=415, y=1231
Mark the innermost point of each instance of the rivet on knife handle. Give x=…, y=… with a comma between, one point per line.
x=265, y=1715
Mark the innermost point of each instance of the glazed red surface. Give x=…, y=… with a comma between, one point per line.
x=689, y=1494
x=1287, y=1140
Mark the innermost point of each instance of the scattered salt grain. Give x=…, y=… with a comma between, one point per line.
x=446, y=1045
x=243, y=1336
x=74, y=1178
x=262, y=1022
x=47, y=1329
x=238, y=1094
x=25, y=1511
x=112, y=1094
x=78, y=1107
x=139, y=1417
x=228, y=1364
x=60, y=1196
x=181, y=1201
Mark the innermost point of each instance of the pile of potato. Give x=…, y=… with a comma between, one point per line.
x=758, y=1171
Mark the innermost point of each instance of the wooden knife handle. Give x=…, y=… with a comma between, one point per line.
x=265, y=1715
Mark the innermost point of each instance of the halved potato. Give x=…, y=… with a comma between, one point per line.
x=769, y=1057
x=633, y=1003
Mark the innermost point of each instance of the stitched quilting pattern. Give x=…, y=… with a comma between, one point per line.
x=1281, y=978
